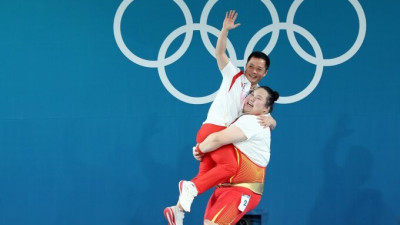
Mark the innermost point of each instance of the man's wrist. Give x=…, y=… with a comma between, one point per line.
x=224, y=30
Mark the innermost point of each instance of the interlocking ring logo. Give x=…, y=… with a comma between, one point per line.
x=318, y=60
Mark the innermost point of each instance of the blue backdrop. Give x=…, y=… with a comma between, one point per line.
x=100, y=102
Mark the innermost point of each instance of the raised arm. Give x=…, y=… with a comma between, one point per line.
x=220, y=51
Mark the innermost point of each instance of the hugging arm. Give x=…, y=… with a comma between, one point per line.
x=215, y=140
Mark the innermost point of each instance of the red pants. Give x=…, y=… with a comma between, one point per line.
x=222, y=208
x=216, y=167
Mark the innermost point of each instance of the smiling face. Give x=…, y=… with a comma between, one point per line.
x=255, y=70
x=256, y=102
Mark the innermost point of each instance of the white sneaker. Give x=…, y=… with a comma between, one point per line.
x=173, y=215
x=187, y=191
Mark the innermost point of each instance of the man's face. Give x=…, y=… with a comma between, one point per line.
x=255, y=70
x=255, y=103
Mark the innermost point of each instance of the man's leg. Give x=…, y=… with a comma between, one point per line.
x=190, y=189
x=225, y=166
x=207, y=129
x=207, y=162
x=217, y=166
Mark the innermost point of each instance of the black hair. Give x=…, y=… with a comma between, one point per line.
x=260, y=55
x=272, y=97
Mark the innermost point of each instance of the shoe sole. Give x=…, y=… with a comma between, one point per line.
x=169, y=216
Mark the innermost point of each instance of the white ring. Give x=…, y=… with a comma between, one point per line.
x=204, y=29
x=334, y=61
x=161, y=68
x=151, y=63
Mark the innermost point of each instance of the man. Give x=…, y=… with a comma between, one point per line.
x=218, y=166
x=257, y=63
x=232, y=200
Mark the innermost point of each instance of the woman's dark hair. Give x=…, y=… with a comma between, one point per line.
x=260, y=55
x=272, y=97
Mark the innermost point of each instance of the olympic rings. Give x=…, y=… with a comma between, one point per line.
x=204, y=29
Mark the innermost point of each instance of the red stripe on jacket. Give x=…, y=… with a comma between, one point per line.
x=235, y=78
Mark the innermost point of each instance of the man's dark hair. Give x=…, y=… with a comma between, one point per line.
x=260, y=55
